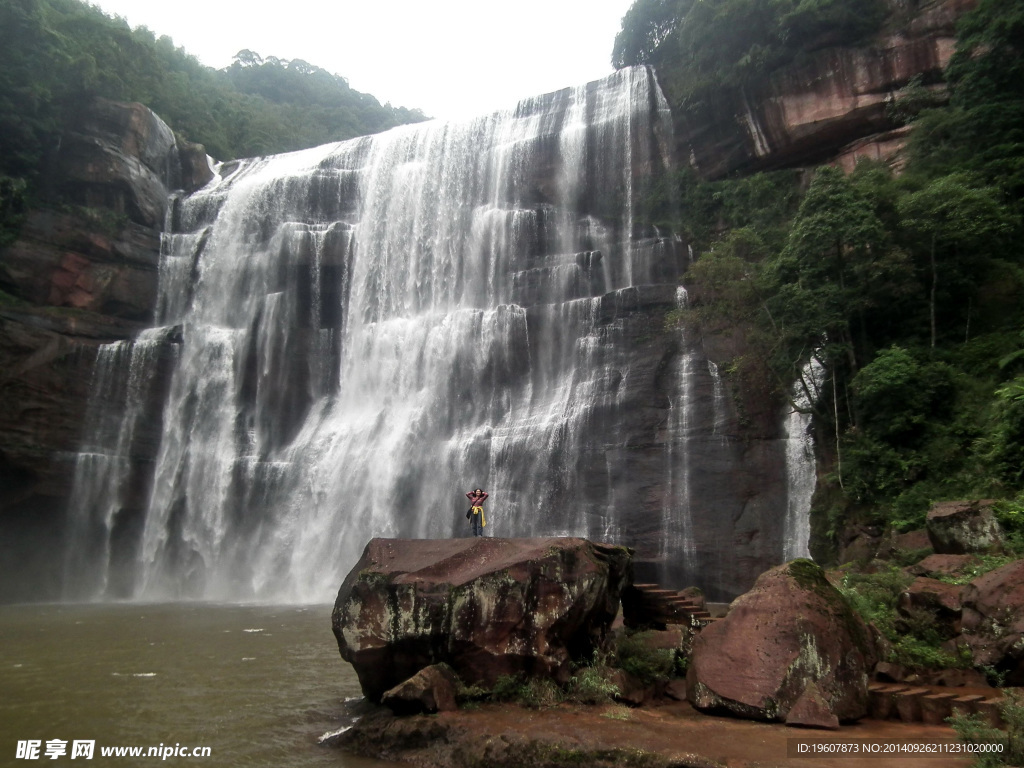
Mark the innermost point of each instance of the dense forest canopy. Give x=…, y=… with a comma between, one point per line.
x=56, y=55
x=907, y=289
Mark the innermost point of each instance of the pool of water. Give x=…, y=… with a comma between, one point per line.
x=258, y=685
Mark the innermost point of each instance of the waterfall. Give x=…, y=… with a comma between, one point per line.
x=679, y=541
x=801, y=479
x=367, y=330
x=123, y=383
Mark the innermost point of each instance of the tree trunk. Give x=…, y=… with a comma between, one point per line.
x=931, y=298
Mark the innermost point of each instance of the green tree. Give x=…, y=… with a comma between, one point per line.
x=981, y=131
x=57, y=55
x=822, y=274
x=646, y=25
x=955, y=229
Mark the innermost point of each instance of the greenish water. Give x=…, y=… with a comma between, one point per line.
x=258, y=685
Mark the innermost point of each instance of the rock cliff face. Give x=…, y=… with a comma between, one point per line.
x=78, y=276
x=829, y=107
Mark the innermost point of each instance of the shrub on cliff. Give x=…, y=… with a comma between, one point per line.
x=914, y=641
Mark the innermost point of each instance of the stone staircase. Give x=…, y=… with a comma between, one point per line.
x=651, y=605
x=932, y=704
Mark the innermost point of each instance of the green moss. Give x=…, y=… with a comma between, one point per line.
x=982, y=565
x=103, y=220
x=373, y=578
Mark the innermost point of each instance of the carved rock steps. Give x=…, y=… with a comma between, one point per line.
x=932, y=704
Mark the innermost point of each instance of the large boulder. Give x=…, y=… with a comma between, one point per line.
x=963, y=527
x=487, y=607
x=993, y=620
x=792, y=631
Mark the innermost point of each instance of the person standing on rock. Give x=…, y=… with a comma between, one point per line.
x=476, y=510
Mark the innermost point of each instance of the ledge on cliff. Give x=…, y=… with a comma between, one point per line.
x=487, y=607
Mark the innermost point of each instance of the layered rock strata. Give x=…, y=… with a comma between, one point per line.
x=831, y=106
x=81, y=274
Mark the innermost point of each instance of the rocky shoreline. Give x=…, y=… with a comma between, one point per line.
x=543, y=652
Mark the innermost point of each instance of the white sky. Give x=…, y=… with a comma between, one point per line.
x=450, y=58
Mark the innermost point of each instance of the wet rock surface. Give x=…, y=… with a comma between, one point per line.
x=811, y=710
x=486, y=607
x=432, y=689
x=77, y=276
x=792, y=630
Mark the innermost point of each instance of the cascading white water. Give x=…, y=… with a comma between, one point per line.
x=801, y=479
x=369, y=329
x=122, y=389
x=679, y=540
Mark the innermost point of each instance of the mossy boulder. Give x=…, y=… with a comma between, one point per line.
x=792, y=631
x=487, y=607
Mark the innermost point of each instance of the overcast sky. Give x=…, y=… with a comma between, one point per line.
x=450, y=58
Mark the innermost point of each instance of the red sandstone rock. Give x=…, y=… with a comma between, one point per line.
x=830, y=104
x=941, y=565
x=812, y=711
x=676, y=689
x=791, y=630
x=487, y=607
x=696, y=594
x=956, y=678
x=432, y=689
x=993, y=620
x=911, y=541
x=635, y=691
